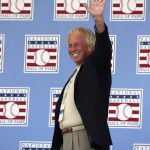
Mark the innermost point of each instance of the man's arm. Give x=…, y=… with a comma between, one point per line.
x=103, y=44
x=96, y=10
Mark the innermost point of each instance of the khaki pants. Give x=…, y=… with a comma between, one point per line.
x=78, y=140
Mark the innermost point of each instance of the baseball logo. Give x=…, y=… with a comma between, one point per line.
x=71, y=6
x=123, y=112
x=16, y=6
x=10, y=110
x=42, y=57
x=128, y=6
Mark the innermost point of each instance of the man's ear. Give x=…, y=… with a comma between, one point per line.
x=90, y=49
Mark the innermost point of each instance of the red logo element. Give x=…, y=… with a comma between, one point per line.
x=125, y=108
x=14, y=106
x=128, y=10
x=16, y=9
x=143, y=58
x=54, y=96
x=70, y=10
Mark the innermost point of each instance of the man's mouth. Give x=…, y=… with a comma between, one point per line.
x=75, y=54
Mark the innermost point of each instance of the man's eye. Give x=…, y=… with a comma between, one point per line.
x=77, y=45
x=74, y=45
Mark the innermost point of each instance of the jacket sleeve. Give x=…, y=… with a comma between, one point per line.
x=103, y=47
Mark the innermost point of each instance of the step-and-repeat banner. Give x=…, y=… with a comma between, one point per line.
x=34, y=66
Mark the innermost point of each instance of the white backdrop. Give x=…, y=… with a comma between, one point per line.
x=34, y=66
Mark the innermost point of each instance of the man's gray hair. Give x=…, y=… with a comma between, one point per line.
x=87, y=33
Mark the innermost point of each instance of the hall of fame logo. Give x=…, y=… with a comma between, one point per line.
x=125, y=108
x=127, y=10
x=54, y=96
x=143, y=54
x=141, y=146
x=2, y=38
x=113, y=60
x=14, y=106
x=42, y=54
x=35, y=145
x=16, y=9
x=70, y=10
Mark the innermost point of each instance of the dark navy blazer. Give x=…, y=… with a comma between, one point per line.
x=91, y=94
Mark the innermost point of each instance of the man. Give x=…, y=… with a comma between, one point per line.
x=82, y=108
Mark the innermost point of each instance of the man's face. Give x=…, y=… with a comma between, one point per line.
x=77, y=48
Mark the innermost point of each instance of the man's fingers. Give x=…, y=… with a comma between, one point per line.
x=85, y=5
